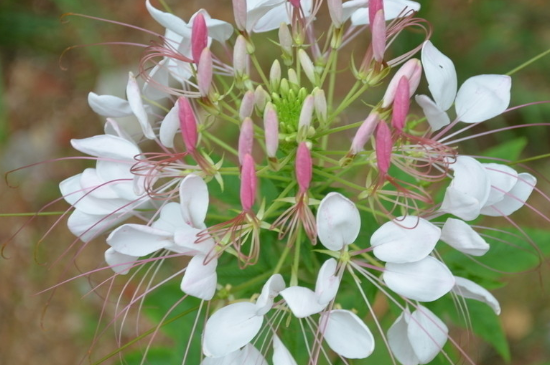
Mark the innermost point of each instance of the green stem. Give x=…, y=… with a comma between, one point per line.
x=259, y=69
x=220, y=143
x=296, y=264
x=341, y=181
x=527, y=63
x=339, y=129
x=31, y=214
x=530, y=159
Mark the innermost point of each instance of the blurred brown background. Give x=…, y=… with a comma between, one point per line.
x=43, y=106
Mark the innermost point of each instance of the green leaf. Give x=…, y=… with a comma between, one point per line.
x=510, y=150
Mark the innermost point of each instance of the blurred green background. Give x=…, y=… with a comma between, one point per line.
x=43, y=104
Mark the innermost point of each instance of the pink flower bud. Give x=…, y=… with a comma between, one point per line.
x=412, y=70
x=246, y=139
x=336, y=12
x=204, y=72
x=295, y=3
x=240, y=57
x=247, y=105
x=384, y=147
x=199, y=37
x=271, y=130
x=378, y=28
x=306, y=113
x=248, y=183
x=401, y=104
x=364, y=132
x=239, y=11
x=304, y=167
x=374, y=7
x=188, y=124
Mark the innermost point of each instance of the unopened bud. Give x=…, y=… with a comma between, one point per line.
x=307, y=66
x=285, y=40
x=364, y=133
x=304, y=167
x=248, y=183
x=262, y=97
x=240, y=57
x=247, y=105
x=293, y=77
x=295, y=3
x=188, y=124
x=412, y=70
x=275, y=75
x=199, y=36
x=401, y=104
x=307, y=112
x=246, y=139
x=378, y=28
x=374, y=7
x=383, y=148
x=271, y=130
x=204, y=72
x=320, y=104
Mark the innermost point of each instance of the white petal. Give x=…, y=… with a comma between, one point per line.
x=94, y=186
x=185, y=238
x=169, y=127
x=230, y=328
x=469, y=189
x=338, y=221
x=138, y=240
x=119, y=263
x=425, y=280
x=405, y=239
x=346, y=334
x=515, y=198
x=169, y=21
x=251, y=356
x=109, y=105
x=107, y=146
x=134, y=98
x=427, y=334
x=88, y=226
x=327, y=283
x=194, y=200
x=170, y=218
x=158, y=77
x=303, y=302
x=200, y=280
x=113, y=128
x=399, y=341
x=350, y=7
x=468, y=289
x=392, y=9
x=503, y=178
x=441, y=75
x=461, y=236
x=119, y=178
x=436, y=117
x=270, y=290
x=281, y=355
x=256, y=10
x=483, y=97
